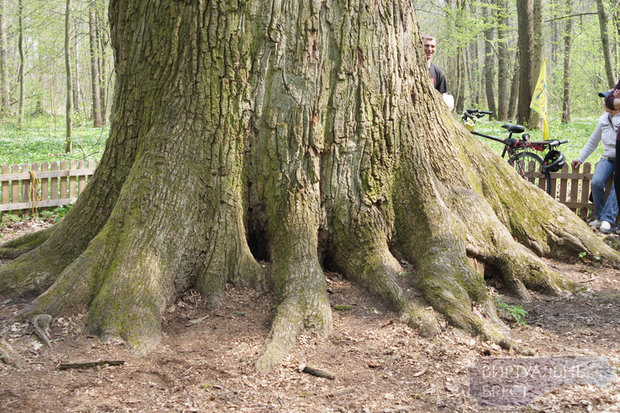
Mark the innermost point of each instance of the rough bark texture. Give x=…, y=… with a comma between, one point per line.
x=568, y=42
x=4, y=64
x=603, y=21
x=309, y=132
x=525, y=13
x=94, y=66
x=69, y=82
x=503, y=60
x=489, y=59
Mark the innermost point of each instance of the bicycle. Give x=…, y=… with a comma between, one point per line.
x=520, y=151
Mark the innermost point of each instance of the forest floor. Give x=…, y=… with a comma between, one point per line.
x=205, y=361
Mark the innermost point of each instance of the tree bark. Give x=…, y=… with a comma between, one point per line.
x=4, y=65
x=603, y=21
x=75, y=78
x=568, y=37
x=536, y=120
x=514, y=89
x=103, y=43
x=307, y=134
x=525, y=14
x=489, y=59
x=94, y=67
x=22, y=62
x=503, y=61
x=69, y=96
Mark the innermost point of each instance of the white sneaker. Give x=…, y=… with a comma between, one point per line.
x=605, y=226
x=595, y=224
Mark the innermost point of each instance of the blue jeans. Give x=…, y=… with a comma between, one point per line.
x=605, y=208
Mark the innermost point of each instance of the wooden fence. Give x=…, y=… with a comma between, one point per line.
x=28, y=188
x=572, y=188
x=60, y=184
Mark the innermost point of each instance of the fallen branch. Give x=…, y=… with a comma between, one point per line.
x=88, y=365
x=196, y=321
x=316, y=372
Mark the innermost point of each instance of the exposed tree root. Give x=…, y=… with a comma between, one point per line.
x=361, y=253
x=298, y=281
x=16, y=247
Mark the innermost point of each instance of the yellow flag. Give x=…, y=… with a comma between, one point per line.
x=539, y=99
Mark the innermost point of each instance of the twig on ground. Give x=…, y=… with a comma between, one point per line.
x=316, y=372
x=91, y=364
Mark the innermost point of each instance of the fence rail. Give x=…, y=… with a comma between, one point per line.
x=58, y=184
x=571, y=187
x=30, y=187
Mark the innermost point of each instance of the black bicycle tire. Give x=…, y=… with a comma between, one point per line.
x=520, y=159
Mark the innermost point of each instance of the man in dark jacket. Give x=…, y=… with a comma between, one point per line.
x=437, y=75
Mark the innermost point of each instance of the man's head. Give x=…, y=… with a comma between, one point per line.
x=430, y=46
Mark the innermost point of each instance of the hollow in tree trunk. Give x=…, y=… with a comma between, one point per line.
x=306, y=133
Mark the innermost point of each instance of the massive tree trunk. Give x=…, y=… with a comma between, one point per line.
x=306, y=133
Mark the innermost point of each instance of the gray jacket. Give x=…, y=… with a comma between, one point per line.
x=606, y=132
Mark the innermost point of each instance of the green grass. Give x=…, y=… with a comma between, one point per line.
x=577, y=133
x=42, y=139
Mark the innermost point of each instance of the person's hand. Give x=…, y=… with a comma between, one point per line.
x=576, y=163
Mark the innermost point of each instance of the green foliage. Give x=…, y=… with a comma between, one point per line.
x=60, y=212
x=6, y=218
x=42, y=140
x=513, y=312
x=343, y=307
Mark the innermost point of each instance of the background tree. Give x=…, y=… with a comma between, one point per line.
x=70, y=97
x=603, y=19
x=525, y=14
x=242, y=132
x=94, y=65
x=22, y=62
x=503, y=60
x=4, y=69
x=535, y=119
x=567, y=35
x=489, y=57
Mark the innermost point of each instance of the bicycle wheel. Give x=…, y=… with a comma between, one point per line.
x=531, y=168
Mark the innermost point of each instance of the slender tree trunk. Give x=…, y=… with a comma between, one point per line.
x=536, y=120
x=525, y=13
x=603, y=20
x=22, y=62
x=102, y=44
x=69, y=101
x=568, y=40
x=75, y=78
x=489, y=58
x=503, y=61
x=514, y=89
x=4, y=65
x=94, y=68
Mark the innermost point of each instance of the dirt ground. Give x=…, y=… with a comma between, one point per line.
x=205, y=360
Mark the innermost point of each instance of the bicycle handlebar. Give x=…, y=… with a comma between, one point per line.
x=470, y=113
